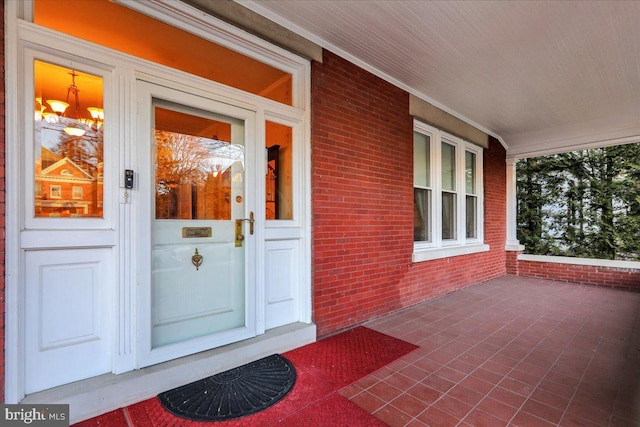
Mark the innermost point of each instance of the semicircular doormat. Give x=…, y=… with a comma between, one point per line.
x=235, y=393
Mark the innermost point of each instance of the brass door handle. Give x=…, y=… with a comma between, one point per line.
x=238, y=227
x=251, y=221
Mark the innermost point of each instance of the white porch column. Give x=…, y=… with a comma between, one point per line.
x=512, y=240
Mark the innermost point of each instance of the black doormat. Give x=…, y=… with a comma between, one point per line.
x=235, y=393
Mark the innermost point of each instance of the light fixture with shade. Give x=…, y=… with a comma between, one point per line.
x=39, y=109
x=72, y=90
x=59, y=108
x=50, y=117
x=74, y=131
x=97, y=114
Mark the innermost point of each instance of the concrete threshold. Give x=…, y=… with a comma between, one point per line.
x=105, y=393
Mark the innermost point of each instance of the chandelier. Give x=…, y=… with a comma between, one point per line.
x=79, y=128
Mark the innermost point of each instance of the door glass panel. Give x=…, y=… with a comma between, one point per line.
x=279, y=179
x=69, y=142
x=193, y=170
x=198, y=265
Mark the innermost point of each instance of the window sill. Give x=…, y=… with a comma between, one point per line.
x=420, y=255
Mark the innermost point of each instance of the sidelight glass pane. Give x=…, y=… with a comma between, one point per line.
x=421, y=215
x=69, y=142
x=421, y=160
x=279, y=171
x=448, y=216
x=448, y=167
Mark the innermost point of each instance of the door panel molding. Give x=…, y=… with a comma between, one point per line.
x=68, y=321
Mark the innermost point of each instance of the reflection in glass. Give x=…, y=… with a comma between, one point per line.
x=193, y=173
x=448, y=216
x=69, y=142
x=470, y=172
x=421, y=215
x=471, y=200
x=471, y=222
x=421, y=190
x=448, y=167
x=421, y=160
x=279, y=177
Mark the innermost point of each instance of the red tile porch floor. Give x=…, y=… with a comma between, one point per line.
x=512, y=351
x=508, y=352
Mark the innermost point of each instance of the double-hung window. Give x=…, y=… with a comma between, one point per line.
x=447, y=195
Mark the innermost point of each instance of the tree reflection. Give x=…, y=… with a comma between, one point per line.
x=86, y=151
x=68, y=170
x=193, y=179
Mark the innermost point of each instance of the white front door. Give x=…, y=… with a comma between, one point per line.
x=197, y=228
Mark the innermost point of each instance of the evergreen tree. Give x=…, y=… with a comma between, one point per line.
x=584, y=203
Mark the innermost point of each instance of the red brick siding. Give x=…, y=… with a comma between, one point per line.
x=512, y=262
x=2, y=202
x=362, y=197
x=589, y=275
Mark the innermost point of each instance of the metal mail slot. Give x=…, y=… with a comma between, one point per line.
x=189, y=232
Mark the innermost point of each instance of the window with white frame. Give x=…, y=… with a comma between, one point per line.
x=447, y=195
x=77, y=193
x=55, y=192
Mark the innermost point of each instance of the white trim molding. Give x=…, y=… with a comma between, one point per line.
x=512, y=244
x=431, y=254
x=24, y=37
x=607, y=263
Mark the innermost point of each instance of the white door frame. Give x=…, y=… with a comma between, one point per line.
x=252, y=245
x=125, y=69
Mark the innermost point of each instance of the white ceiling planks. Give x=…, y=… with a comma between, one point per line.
x=543, y=76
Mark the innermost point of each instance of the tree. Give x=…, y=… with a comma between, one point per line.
x=86, y=151
x=584, y=203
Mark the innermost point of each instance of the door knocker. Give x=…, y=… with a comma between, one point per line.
x=196, y=259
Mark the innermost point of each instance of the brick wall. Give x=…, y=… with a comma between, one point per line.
x=2, y=203
x=585, y=274
x=512, y=262
x=362, y=203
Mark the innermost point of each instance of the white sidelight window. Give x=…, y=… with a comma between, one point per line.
x=447, y=195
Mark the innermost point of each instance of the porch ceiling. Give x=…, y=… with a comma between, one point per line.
x=542, y=76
